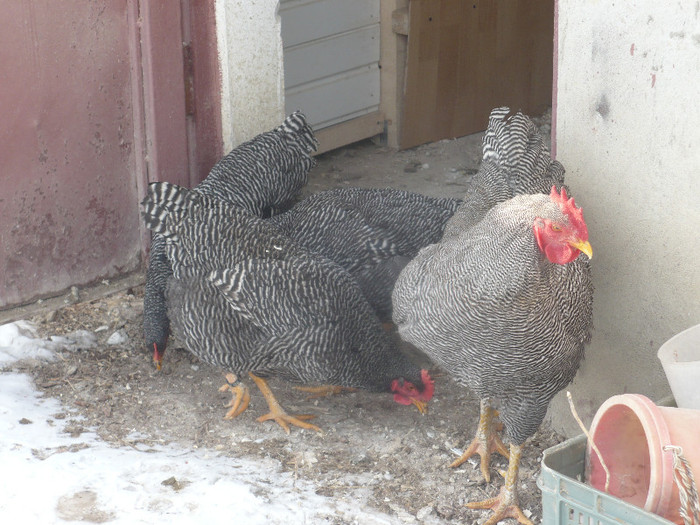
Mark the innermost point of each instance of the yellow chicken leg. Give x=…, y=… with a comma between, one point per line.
x=485, y=442
x=277, y=413
x=505, y=505
x=241, y=396
x=324, y=390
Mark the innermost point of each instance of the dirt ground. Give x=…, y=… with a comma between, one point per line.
x=372, y=451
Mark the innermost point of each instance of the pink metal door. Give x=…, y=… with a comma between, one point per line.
x=69, y=204
x=92, y=106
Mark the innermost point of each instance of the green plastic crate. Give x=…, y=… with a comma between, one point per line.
x=566, y=500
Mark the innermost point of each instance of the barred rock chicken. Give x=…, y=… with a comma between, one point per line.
x=261, y=177
x=372, y=233
x=246, y=298
x=504, y=301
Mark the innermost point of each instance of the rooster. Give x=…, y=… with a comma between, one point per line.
x=261, y=177
x=504, y=301
x=244, y=297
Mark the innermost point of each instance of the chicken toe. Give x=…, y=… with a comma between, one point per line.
x=505, y=505
x=485, y=442
x=277, y=413
x=241, y=396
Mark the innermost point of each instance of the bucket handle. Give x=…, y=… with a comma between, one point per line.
x=590, y=440
x=687, y=490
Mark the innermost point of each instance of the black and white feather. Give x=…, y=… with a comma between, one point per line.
x=261, y=177
x=246, y=298
x=372, y=233
x=515, y=161
x=264, y=175
x=484, y=303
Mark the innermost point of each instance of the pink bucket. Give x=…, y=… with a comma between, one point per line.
x=631, y=432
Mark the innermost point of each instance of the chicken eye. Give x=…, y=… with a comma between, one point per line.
x=556, y=228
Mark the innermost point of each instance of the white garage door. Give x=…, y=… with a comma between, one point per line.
x=331, y=59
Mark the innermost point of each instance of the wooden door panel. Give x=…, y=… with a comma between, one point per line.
x=465, y=58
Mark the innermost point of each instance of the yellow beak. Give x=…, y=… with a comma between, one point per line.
x=422, y=406
x=583, y=246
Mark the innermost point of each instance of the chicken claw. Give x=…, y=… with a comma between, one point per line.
x=505, y=505
x=241, y=396
x=277, y=413
x=485, y=442
x=284, y=420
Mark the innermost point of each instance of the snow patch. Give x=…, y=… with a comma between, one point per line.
x=19, y=340
x=50, y=477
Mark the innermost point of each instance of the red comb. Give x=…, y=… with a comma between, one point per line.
x=568, y=208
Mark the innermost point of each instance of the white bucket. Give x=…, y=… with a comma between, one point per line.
x=680, y=357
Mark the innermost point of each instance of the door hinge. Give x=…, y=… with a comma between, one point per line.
x=188, y=65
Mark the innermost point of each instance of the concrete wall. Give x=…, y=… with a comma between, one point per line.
x=252, y=73
x=627, y=129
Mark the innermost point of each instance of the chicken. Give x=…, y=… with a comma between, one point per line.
x=372, y=233
x=264, y=175
x=504, y=301
x=246, y=298
x=261, y=176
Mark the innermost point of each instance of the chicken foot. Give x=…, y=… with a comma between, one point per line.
x=485, y=442
x=324, y=390
x=241, y=396
x=277, y=413
x=505, y=505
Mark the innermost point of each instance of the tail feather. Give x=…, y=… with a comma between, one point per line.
x=516, y=161
x=516, y=146
x=166, y=204
x=297, y=131
x=188, y=222
x=163, y=201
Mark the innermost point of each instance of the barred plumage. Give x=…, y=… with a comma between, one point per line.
x=260, y=177
x=372, y=233
x=264, y=174
x=503, y=322
x=246, y=298
x=491, y=296
x=515, y=162
x=488, y=304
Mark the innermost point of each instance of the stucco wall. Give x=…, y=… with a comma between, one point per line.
x=627, y=129
x=252, y=74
